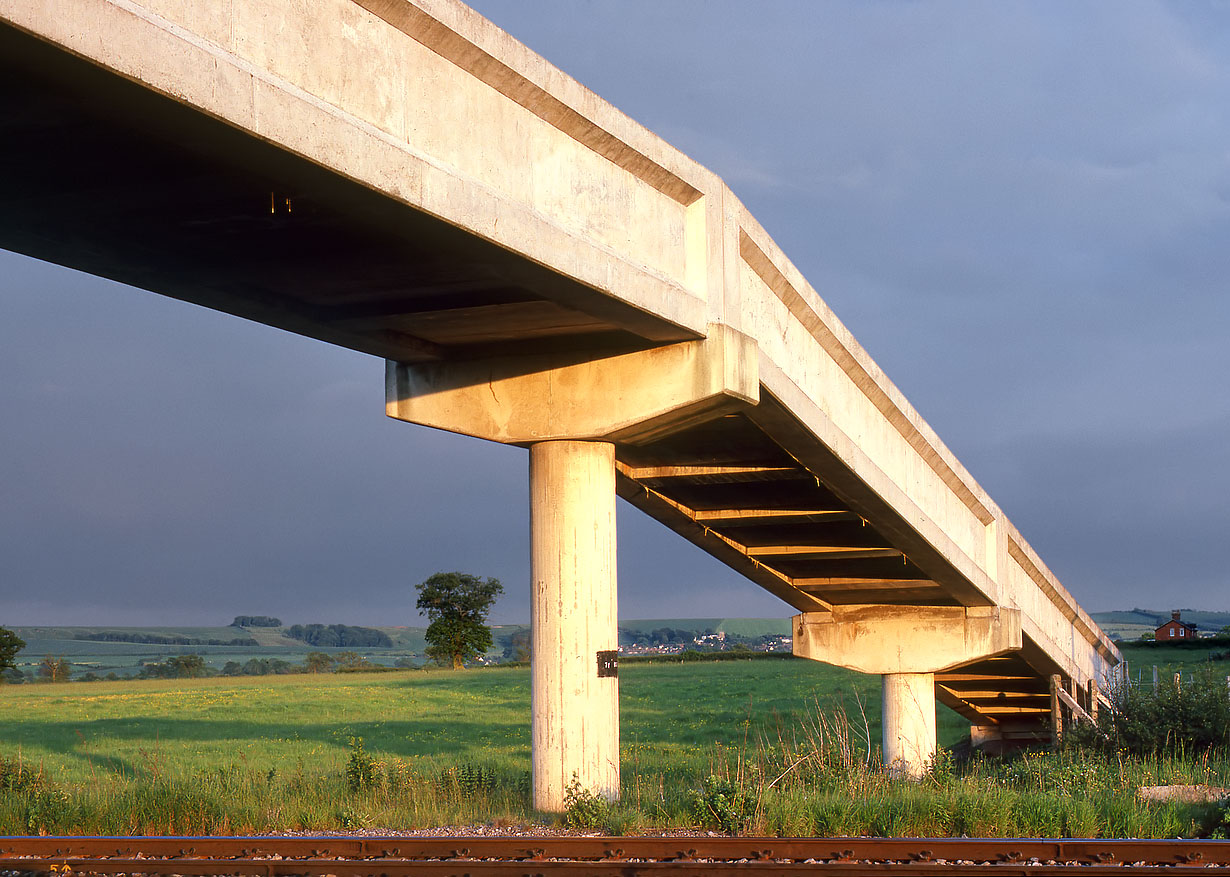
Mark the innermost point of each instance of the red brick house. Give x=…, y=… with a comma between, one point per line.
x=1176, y=629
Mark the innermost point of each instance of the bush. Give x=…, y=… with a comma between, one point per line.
x=1171, y=718
x=48, y=811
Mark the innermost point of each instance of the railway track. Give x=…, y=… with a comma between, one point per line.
x=599, y=856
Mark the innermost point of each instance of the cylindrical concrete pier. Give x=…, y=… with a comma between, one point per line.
x=909, y=723
x=575, y=712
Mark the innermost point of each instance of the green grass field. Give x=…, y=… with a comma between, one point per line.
x=674, y=713
x=251, y=755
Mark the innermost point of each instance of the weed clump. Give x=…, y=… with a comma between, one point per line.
x=465, y=780
x=722, y=803
x=585, y=810
x=361, y=773
x=17, y=776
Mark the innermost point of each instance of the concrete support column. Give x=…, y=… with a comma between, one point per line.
x=575, y=712
x=909, y=723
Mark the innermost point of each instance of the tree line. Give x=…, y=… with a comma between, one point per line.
x=192, y=666
x=339, y=636
x=256, y=621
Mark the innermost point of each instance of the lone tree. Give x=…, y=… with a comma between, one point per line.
x=10, y=645
x=55, y=669
x=457, y=605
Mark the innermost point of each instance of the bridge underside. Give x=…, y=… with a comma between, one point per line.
x=732, y=489
x=727, y=486
x=108, y=177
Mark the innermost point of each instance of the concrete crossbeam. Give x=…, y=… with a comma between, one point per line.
x=635, y=397
x=906, y=639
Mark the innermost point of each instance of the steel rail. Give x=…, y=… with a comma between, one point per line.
x=477, y=856
x=572, y=868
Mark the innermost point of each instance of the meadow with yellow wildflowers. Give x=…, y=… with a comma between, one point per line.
x=756, y=746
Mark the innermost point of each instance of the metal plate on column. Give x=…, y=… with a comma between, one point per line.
x=608, y=663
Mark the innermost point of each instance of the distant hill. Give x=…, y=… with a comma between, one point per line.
x=124, y=650
x=1131, y=623
x=408, y=641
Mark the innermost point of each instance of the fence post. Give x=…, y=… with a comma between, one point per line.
x=1056, y=713
x=1155, y=678
x=1093, y=701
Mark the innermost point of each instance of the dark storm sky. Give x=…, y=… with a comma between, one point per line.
x=1022, y=210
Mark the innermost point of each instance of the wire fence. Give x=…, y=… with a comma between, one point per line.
x=1143, y=678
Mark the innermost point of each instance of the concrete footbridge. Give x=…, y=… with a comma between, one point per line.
x=402, y=178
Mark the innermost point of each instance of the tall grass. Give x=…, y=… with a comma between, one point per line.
x=820, y=777
x=324, y=755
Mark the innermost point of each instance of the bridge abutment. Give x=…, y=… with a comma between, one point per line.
x=574, y=693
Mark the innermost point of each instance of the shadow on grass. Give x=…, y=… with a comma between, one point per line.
x=438, y=736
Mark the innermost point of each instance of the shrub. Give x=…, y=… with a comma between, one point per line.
x=48, y=811
x=15, y=776
x=1170, y=718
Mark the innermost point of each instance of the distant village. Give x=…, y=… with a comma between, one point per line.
x=668, y=641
